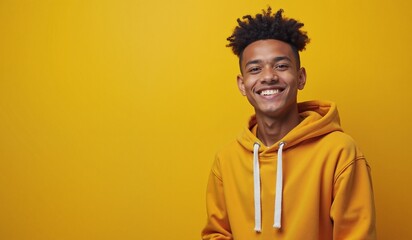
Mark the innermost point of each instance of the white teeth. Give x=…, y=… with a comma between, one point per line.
x=269, y=92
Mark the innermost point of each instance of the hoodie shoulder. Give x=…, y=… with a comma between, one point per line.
x=344, y=147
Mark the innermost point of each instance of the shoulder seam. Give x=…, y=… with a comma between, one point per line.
x=360, y=158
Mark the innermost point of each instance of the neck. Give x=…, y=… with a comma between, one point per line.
x=271, y=130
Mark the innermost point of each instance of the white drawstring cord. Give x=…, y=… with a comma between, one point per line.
x=256, y=181
x=279, y=188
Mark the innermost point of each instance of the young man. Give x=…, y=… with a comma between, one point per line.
x=293, y=173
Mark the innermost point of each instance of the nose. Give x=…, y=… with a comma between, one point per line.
x=269, y=75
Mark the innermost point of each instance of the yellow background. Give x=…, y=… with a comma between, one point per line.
x=111, y=111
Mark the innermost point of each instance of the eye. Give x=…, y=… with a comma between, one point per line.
x=254, y=69
x=282, y=67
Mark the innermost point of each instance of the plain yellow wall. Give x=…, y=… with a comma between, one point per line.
x=111, y=111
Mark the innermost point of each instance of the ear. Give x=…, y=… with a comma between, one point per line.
x=241, y=85
x=302, y=78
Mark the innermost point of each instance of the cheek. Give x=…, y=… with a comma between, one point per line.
x=249, y=86
x=251, y=81
x=292, y=79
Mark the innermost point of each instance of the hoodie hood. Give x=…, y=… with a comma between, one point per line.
x=319, y=118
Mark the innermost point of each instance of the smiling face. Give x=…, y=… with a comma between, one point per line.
x=271, y=78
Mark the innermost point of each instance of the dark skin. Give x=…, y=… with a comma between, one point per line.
x=270, y=80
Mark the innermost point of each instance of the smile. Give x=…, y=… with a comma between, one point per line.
x=269, y=92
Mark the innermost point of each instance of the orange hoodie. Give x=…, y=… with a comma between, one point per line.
x=312, y=184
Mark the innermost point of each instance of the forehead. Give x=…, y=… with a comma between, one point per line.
x=267, y=50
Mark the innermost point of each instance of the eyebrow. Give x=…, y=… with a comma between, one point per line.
x=275, y=60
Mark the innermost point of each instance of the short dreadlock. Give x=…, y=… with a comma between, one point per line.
x=268, y=26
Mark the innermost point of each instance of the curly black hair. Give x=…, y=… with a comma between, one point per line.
x=268, y=26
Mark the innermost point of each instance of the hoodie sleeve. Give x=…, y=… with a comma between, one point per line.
x=217, y=226
x=353, y=210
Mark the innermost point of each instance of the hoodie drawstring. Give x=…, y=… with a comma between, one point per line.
x=279, y=188
x=256, y=182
